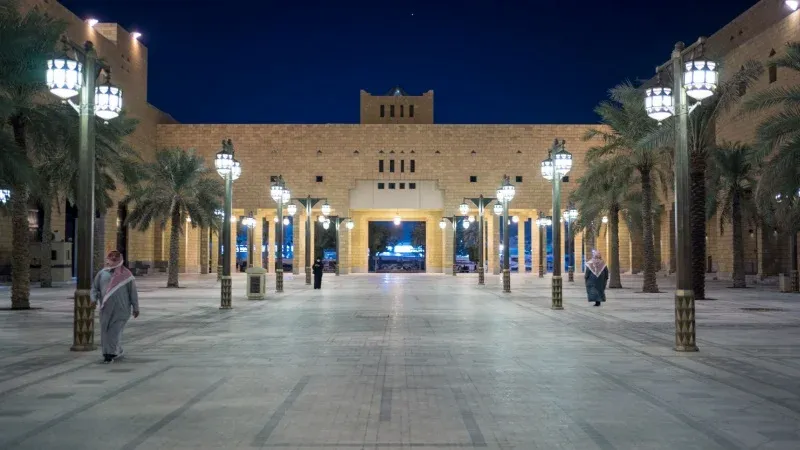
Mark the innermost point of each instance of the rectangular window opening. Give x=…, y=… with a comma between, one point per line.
x=412, y=185
x=519, y=178
x=273, y=178
x=402, y=185
x=391, y=185
x=410, y=110
x=473, y=178
x=401, y=110
x=412, y=167
x=773, y=73
x=402, y=165
x=391, y=110
x=383, y=110
x=391, y=165
x=381, y=185
x=380, y=166
x=319, y=178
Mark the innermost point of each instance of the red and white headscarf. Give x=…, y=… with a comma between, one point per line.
x=120, y=276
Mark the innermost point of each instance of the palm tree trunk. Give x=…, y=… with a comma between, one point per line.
x=46, y=275
x=739, y=280
x=174, y=248
x=99, y=257
x=20, y=252
x=615, y=280
x=697, y=211
x=649, y=283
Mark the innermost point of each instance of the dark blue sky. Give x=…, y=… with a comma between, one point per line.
x=493, y=61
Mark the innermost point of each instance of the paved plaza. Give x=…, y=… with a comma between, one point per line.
x=406, y=362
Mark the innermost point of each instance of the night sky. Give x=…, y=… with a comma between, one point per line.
x=492, y=61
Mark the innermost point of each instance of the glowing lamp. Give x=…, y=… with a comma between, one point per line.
x=326, y=209
x=658, y=103
x=463, y=209
x=286, y=221
x=397, y=220
x=498, y=209
x=562, y=161
x=605, y=219
x=465, y=224
x=92, y=22
x=5, y=195
x=136, y=35
x=350, y=224
x=291, y=209
x=326, y=224
x=443, y=224
x=700, y=79
x=547, y=169
x=224, y=161
x=107, y=101
x=471, y=219
x=793, y=4
x=64, y=77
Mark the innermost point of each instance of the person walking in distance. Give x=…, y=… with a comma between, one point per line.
x=596, y=278
x=317, y=269
x=114, y=294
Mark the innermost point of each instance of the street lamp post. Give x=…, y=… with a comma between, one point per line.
x=556, y=166
x=505, y=194
x=542, y=222
x=250, y=223
x=66, y=78
x=220, y=215
x=481, y=203
x=281, y=195
x=230, y=170
x=698, y=79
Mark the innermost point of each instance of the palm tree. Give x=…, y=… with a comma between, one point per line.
x=702, y=141
x=25, y=41
x=731, y=185
x=58, y=172
x=628, y=126
x=781, y=127
x=602, y=191
x=175, y=186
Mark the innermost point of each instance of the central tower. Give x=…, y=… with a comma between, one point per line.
x=396, y=106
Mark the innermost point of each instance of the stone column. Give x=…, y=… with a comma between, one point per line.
x=255, y=246
x=298, y=240
x=494, y=244
x=449, y=251
x=204, y=252
x=271, y=252
x=521, y=243
x=578, y=239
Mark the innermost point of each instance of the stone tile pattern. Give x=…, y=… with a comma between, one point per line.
x=415, y=361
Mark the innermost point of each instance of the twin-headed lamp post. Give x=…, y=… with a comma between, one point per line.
x=698, y=79
x=66, y=78
x=542, y=222
x=505, y=193
x=282, y=196
x=230, y=170
x=555, y=167
x=481, y=202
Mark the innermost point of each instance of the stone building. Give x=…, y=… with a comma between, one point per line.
x=399, y=161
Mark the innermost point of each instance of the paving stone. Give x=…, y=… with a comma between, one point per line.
x=407, y=361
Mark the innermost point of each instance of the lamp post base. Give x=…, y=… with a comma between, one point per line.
x=279, y=280
x=506, y=281
x=481, y=276
x=571, y=275
x=219, y=272
x=541, y=271
x=83, y=322
x=795, y=281
x=308, y=275
x=684, y=321
x=557, y=301
x=226, y=293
